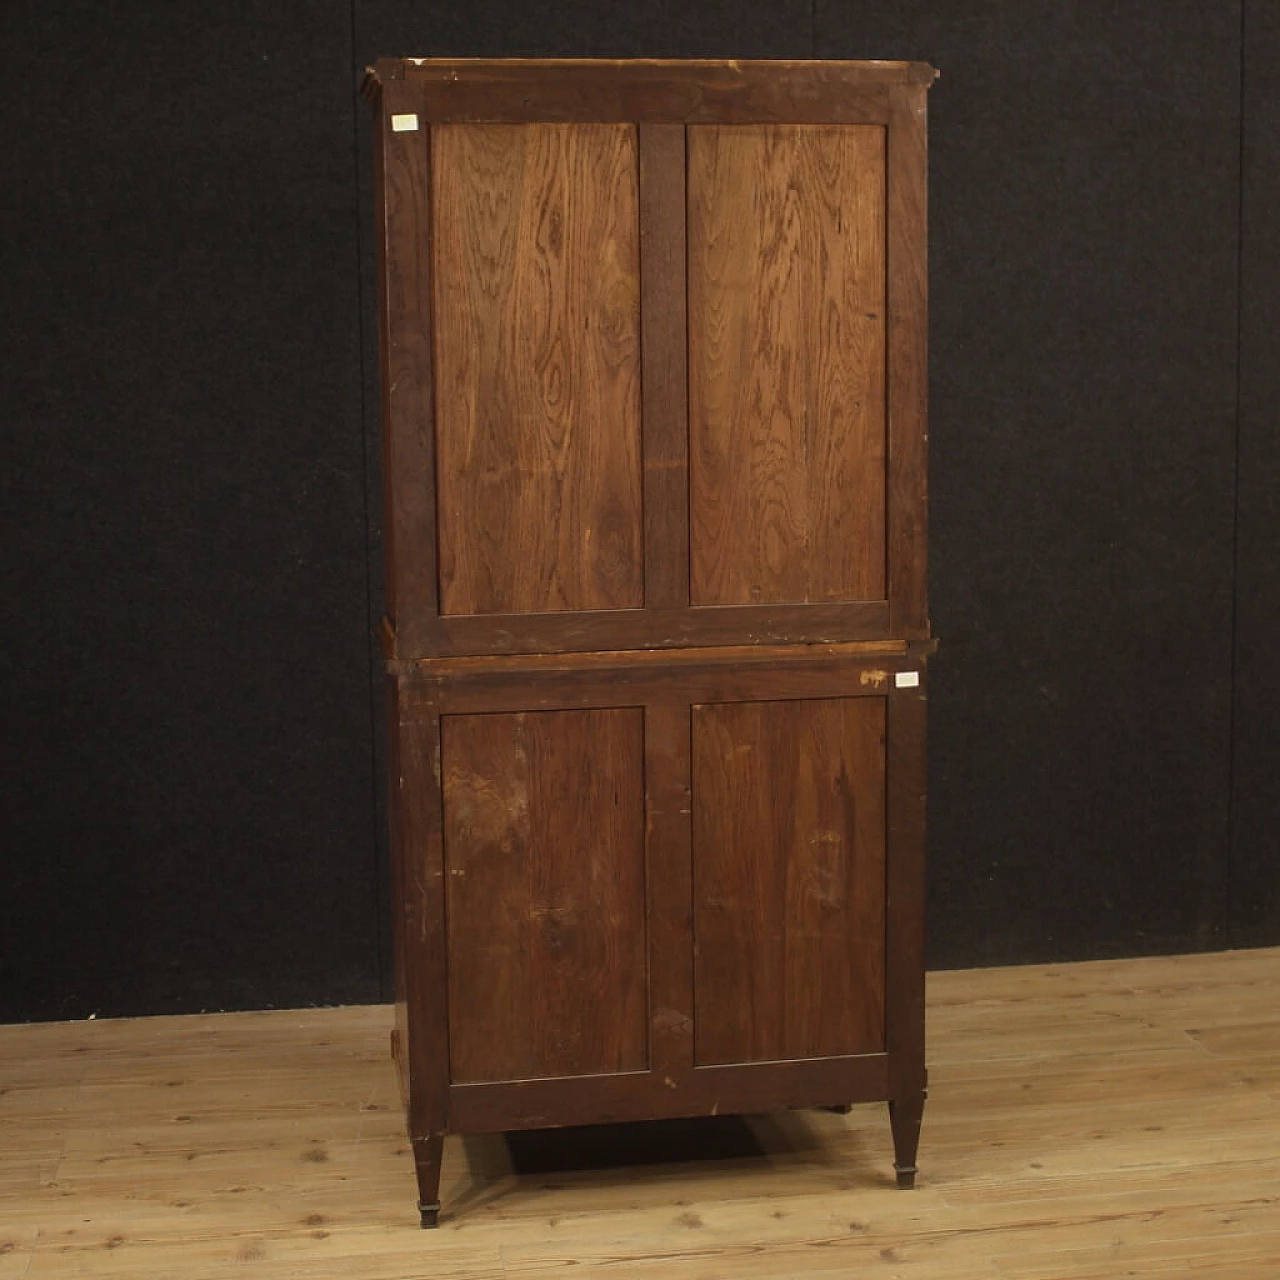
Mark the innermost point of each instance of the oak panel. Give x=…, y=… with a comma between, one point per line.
x=537, y=350
x=787, y=363
x=545, y=901
x=789, y=879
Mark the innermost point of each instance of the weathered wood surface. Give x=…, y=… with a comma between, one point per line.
x=537, y=356
x=789, y=879
x=1085, y=1121
x=544, y=862
x=787, y=363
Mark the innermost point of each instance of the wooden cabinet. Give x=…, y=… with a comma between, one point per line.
x=653, y=379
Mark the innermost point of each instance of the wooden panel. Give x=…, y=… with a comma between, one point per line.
x=538, y=367
x=787, y=363
x=789, y=879
x=544, y=849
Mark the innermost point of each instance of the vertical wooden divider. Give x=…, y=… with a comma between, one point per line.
x=664, y=377
x=669, y=870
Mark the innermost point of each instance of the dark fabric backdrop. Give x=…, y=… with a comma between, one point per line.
x=192, y=806
x=1254, y=853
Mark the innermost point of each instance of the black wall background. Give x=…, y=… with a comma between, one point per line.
x=192, y=814
x=1255, y=846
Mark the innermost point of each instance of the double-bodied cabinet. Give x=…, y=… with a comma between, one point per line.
x=653, y=377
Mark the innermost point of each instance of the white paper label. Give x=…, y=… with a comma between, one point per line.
x=404, y=124
x=906, y=679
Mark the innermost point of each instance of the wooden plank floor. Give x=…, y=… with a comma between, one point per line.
x=1095, y=1120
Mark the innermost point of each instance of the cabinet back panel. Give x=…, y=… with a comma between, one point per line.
x=545, y=897
x=537, y=321
x=789, y=879
x=787, y=363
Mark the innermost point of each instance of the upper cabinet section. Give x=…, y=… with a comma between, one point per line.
x=653, y=353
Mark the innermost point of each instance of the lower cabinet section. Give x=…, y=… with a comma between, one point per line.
x=662, y=884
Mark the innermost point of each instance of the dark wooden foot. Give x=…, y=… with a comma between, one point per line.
x=904, y=1118
x=842, y=1109
x=427, y=1153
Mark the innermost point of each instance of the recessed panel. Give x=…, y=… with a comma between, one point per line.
x=787, y=424
x=544, y=854
x=537, y=320
x=789, y=879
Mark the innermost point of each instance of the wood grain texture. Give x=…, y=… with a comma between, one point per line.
x=1148, y=1143
x=669, y=875
x=907, y=904
x=417, y=862
x=544, y=846
x=398, y=890
x=907, y=747
x=787, y=363
x=681, y=91
x=657, y=627
x=731, y=1089
x=908, y=402
x=664, y=330
x=706, y=678
x=401, y=184
x=537, y=350
x=735, y=655
x=789, y=879
x=666, y=417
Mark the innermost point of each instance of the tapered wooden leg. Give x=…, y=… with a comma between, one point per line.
x=904, y=946
x=904, y=1117
x=427, y=1154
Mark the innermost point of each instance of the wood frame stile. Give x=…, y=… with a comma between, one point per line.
x=668, y=657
